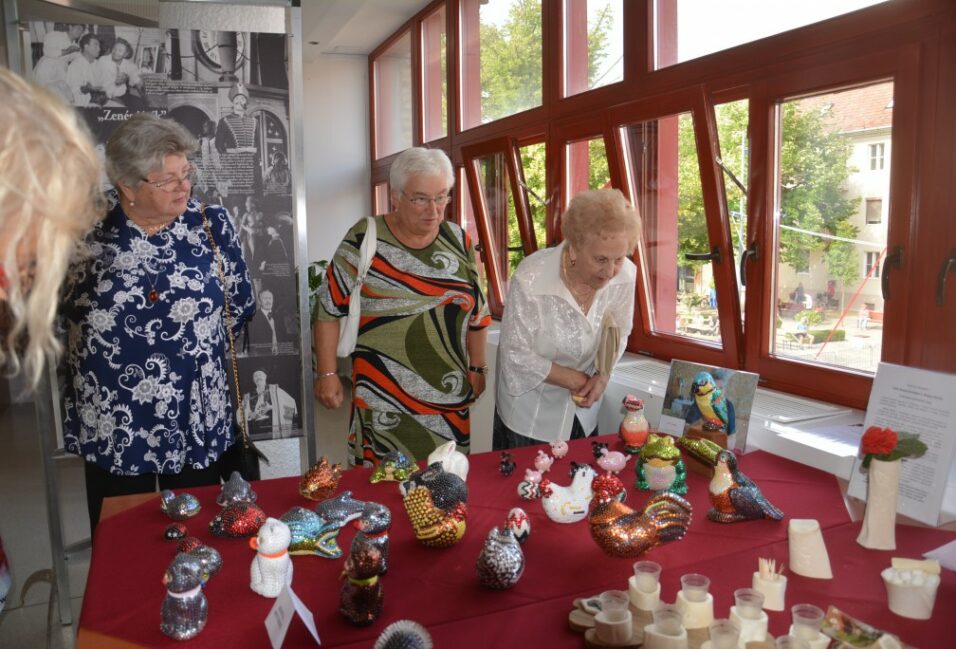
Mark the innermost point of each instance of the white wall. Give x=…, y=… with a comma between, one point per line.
x=337, y=173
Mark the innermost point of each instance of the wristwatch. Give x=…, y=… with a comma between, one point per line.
x=478, y=370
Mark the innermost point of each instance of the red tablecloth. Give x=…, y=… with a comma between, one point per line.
x=439, y=589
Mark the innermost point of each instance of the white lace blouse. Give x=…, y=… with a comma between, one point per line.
x=543, y=324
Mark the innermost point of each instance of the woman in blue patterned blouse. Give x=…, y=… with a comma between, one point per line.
x=148, y=379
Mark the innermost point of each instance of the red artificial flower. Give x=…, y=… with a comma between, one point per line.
x=879, y=441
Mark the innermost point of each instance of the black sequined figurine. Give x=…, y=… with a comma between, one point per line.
x=507, y=465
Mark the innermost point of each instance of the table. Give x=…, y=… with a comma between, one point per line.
x=438, y=587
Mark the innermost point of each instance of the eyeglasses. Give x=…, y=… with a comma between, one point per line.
x=423, y=201
x=175, y=182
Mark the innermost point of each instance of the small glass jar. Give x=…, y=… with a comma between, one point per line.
x=807, y=620
x=647, y=574
x=668, y=620
x=724, y=634
x=749, y=603
x=694, y=587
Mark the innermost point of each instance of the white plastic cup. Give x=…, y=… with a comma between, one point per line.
x=647, y=574
x=614, y=600
x=668, y=620
x=807, y=620
x=694, y=587
x=724, y=634
x=749, y=603
x=790, y=642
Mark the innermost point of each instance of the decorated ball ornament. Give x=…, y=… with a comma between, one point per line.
x=660, y=467
x=501, y=561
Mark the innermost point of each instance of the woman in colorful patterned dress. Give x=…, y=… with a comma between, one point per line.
x=148, y=386
x=420, y=357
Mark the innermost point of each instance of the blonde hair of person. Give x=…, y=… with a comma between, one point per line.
x=600, y=213
x=49, y=200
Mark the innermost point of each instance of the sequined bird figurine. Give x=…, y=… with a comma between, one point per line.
x=623, y=532
x=321, y=481
x=501, y=562
x=178, y=508
x=715, y=409
x=734, y=496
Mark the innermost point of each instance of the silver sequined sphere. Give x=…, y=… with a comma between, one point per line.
x=184, y=610
x=501, y=562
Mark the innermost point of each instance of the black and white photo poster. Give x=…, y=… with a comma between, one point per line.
x=231, y=90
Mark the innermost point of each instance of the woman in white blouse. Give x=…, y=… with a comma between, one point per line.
x=552, y=323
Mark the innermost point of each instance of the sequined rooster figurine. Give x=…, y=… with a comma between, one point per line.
x=734, y=496
x=623, y=532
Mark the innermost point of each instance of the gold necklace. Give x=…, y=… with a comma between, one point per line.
x=582, y=298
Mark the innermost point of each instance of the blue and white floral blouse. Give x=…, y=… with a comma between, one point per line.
x=149, y=377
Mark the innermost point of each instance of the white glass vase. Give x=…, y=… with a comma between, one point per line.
x=879, y=521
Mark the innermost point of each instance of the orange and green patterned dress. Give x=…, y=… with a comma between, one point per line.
x=410, y=365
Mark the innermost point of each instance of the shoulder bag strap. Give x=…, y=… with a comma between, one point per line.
x=232, y=341
x=367, y=250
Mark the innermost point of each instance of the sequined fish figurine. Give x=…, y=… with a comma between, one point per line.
x=185, y=609
x=340, y=510
x=361, y=596
x=435, y=503
x=735, y=497
x=624, y=532
x=311, y=534
x=501, y=562
x=235, y=490
x=660, y=467
x=178, y=508
x=373, y=526
x=395, y=466
x=238, y=520
x=321, y=481
x=569, y=504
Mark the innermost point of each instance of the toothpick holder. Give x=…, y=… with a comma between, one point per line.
x=822, y=641
x=697, y=615
x=654, y=639
x=751, y=630
x=774, y=591
x=639, y=599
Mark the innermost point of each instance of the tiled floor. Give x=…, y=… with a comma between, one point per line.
x=25, y=531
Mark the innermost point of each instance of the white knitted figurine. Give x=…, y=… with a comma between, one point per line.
x=272, y=567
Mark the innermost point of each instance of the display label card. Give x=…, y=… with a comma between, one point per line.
x=912, y=400
x=280, y=617
x=671, y=425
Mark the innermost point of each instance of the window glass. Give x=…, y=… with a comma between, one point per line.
x=500, y=59
x=533, y=165
x=593, y=44
x=498, y=203
x=393, y=98
x=688, y=29
x=587, y=166
x=665, y=178
x=830, y=305
x=463, y=200
x=434, y=76
x=732, y=121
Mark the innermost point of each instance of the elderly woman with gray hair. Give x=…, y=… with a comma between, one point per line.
x=419, y=360
x=547, y=383
x=148, y=386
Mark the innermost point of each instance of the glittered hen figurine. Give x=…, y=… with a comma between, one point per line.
x=735, y=497
x=715, y=409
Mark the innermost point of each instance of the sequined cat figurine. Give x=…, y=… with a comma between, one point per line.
x=185, y=609
x=361, y=597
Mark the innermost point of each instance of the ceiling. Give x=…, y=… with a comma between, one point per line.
x=329, y=27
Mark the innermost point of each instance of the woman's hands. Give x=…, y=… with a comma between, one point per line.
x=591, y=392
x=328, y=390
x=585, y=390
